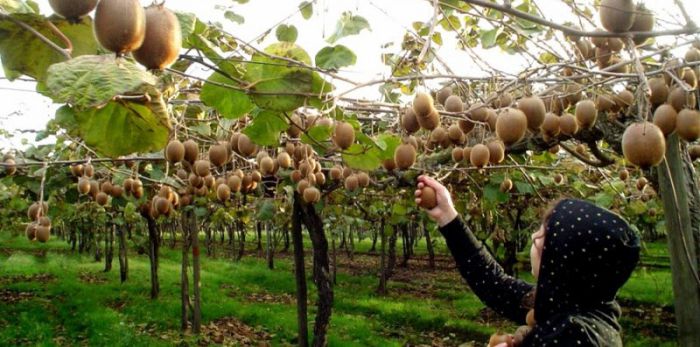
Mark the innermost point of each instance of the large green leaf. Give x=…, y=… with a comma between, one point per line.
x=231, y=103
x=387, y=144
x=23, y=53
x=335, y=57
x=118, y=128
x=93, y=80
x=348, y=25
x=359, y=158
x=286, y=33
x=307, y=9
x=266, y=128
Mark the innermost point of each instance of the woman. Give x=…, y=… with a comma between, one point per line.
x=581, y=256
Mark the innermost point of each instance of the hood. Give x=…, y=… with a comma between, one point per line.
x=589, y=253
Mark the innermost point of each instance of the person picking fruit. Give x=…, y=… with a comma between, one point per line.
x=581, y=256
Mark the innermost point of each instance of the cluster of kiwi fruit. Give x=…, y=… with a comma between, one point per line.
x=10, y=164
x=102, y=191
x=39, y=228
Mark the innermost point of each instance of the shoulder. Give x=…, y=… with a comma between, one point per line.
x=576, y=330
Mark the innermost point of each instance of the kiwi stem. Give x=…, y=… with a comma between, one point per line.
x=64, y=38
x=39, y=35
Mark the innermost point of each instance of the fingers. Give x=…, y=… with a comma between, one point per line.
x=431, y=182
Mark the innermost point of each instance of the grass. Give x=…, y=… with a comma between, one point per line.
x=81, y=305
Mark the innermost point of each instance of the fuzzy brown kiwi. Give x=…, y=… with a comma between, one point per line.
x=586, y=114
x=174, y=151
x=191, y=151
x=195, y=180
x=496, y=151
x=246, y=147
x=443, y=94
x=504, y=100
x=311, y=195
x=83, y=185
x=558, y=178
x=209, y=181
x=615, y=44
x=554, y=149
x=76, y=170
x=688, y=76
x=688, y=125
x=624, y=174
x=615, y=60
x=599, y=42
x=624, y=99
x=247, y=183
x=454, y=104
x=137, y=192
x=344, y=135
x=128, y=183
x=466, y=126
x=102, y=198
x=363, y=179
x=257, y=177
x=347, y=171
x=202, y=168
x=120, y=25
x=284, y=160
x=336, y=173
x=423, y=104
x=106, y=187
x=506, y=185
x=223, y=192
x=457, y=155
x=428, y=198
x=641, y=183
x=659, y=90
x=492, y=119
x=455, y=134
x=692, y=55
x=43, y=233
x=603, y=56
x=72, y=9
x=409, y=121
x=320, y=178
x=573, y=93
x=694, y=152
x=466, y=154
x=351, y=183
x=267, y=166
x=550, y=126
x=568, y=125
x=218, y=154
x=10, y=167
x=161, y=205
x=30, y=231
x=163, y=40
x=88, y=170
x=234, y=183
x=35, y=210
x=604, y=103
x=617, y=15
x=389, y=164
x=665, y=118
x=295, y=125
x=478, y=112
x=582, y=49
x=431, y=121
x=643, y=21
x=439, y=135
x=404, y=156
x=117, y=191
x=643, y=144
x=479, y=155
x=680, y=99
x=511, y=126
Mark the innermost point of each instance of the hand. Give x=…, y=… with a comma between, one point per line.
x=445, y=211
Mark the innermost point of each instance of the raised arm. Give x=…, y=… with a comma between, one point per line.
x=484, y=275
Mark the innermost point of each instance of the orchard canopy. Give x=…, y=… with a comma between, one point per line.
x=178, y=119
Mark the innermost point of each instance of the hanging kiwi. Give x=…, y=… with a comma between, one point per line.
x=568, y=124
x=534, y=110
x=351, y=183
x=191, y=151
x=496, y=152
x=665, y=118
x=202, y=168
x=680, y=99
x=443, y=94
x=234, y=182
x=455, y=134
x=246, y=147
x=624, y=175
x=336, y=173
x=511, y=126
x=405, y=156
x=120, y=25
x=550, y=126
x=218, y=154
x=409, y=121
x=479, y=155
x=174, y=151
x=457, y=155
x=163, y=40
x=643, y=21
x=659, y=90
x=617, y=15
x=423, y=104
x=344, y=135
x=431, y=121
x=454, y=104
x=643, y=144
x=223, y=192
x=688, y=124
x=506, y=185
x=363, y=179
x=72, y=10
x=586, y=114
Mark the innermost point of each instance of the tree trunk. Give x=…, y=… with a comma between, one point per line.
x=335, y=260
x=351, y=248
x=184, y=279
x=382, y=260
x=678, y=192
x=374, y=241
x=96, y=245
x=241, y=240
x=109, y=247
x=286, y=237
x=123, y=260
x=391, y=261
x=270, y=249
x=321, y=272
x=209, y=241
x=258, y=229
x=197, y=311
x=300, y=277
x=429, y=244
x=153, y=246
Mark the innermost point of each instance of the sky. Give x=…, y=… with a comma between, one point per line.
x=23, y=109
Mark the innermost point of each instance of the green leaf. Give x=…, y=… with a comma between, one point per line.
x=230, y=103
x=488, y=37
x=233, y=17
x=187, y=23
x=493, y=195
x=318, y=133
x=266, y=128
x=22, y=53
x=120, y=128
x=287, y=33
x=387, y=143
x=15, y=6
x=335, y=57
x=356, y=157
x=93, y=80
x=307, y=9
x=348, y=25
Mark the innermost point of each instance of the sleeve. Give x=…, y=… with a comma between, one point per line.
x=484, y=275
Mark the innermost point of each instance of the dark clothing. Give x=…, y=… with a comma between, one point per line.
x=588, y=254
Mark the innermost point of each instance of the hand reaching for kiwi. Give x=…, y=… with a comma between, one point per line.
x=434, y=197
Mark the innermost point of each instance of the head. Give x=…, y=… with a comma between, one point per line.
x=538, y=238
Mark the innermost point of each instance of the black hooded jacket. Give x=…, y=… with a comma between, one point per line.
x=588, y=254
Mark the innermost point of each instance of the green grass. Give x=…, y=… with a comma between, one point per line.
x=70, y=311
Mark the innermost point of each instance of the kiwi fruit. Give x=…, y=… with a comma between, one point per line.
x=444, y=94
x=218, y=154
x=209, y=181
x=694, y=152
x=234, y=183
x=568, y=124
x=37, y=210
x=496, y=151
x=586, y=114
x=665, y=118
x=615, y=44
x=466, y=154
x=161, y=205
x=191, y=151
x=599, y=42
x=247, y=183
x=284, y=160
x=457, y=155
x=102, y=198
x=624, y=174
x=128, y=184
x=511, y=126
x=688, y=124
x=479, y=112
x=554, y=149
x=196, y=181
x=83, y=185
x=76, y=169
x=506, y=185
x=163, y=39
x=120, y=25
x=363, y=179
x=320, y=178
x=534, y=110
x=688, y=76
x=30, y=231
x=106, y=187
x=550, y=126
x=404, y=156
x=267, y=166
x=311, y=195
x=117, y=191
x=641, y=183
x=137, y=192
x=246, y=147
x=389, y=164
x=492, y=119
x=454, y=104
x=88, y=170
x=479, y=155
x=643, y=144
x=466, y=126
x=43, y=233
x=409, y=121
x=439, y=135
x=423, y=105
x=617, y=15
x=336, y=173
x=202, y=168
x=603, y=103
x=504, y=100
x=166, y=192
x=72, y=10
x=428, y=198
x=294, y=129
x=344, y=135
x=351, y=183
x=624, y=99
x=680, y=99
x=659, y=90
x=347, y=171
x=174, y=151
x=223, y=192
x=429, y=122
x=257, y=177
x=643, y=21
x=583, y=48
x=558, y=178
x=692, y=55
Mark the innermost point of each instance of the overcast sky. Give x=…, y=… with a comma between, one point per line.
x=22, y=108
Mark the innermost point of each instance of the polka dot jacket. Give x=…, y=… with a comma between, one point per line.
x=589, y=253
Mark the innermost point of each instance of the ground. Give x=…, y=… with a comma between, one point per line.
x=51, y=296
